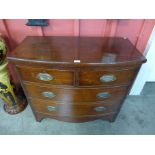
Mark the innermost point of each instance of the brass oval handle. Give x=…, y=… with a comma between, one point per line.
x=52, y=108
x=100, y=108
x=45, y=77
x=48, y=94
x=103, y=95
x=107, y=78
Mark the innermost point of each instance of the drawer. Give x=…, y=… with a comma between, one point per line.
x=107, y=78
x=51, y=108
x=52, y=93
x=46, y=76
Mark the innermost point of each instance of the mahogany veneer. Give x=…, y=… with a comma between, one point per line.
x=76, y=79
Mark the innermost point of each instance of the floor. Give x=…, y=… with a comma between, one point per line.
x=137, y=116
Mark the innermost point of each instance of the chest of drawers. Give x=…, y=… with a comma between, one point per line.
x=76, y=79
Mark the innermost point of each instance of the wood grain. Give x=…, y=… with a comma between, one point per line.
x=62, y=50
x=84, y=109
x=93, y=77
x=60, y=77
x=76, y=89
x=75, y=94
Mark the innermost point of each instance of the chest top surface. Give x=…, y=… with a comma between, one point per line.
x=89, y=50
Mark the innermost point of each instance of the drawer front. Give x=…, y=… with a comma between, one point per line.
x=107, y=78
x=46, y=76
x=51, y=108
x=76, y=94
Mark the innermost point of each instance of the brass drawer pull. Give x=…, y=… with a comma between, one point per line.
x=107, y=78
x=45, y=77
x=52, y=108
x=48, y=94
x=103, y=95
x=101, y=108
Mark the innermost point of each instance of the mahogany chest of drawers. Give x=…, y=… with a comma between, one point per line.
x=76, y=79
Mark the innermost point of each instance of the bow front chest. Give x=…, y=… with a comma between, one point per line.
x=76, y=79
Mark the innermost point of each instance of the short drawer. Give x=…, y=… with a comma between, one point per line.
x=84, y=109
x=107, y=78
x=52, y=93
x=46, y=76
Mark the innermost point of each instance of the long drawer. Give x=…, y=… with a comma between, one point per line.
x=111, y=94
x=107, y=77
x=46, y=76
x=51, y=108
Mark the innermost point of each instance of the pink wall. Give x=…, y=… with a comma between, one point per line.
x=138, y=31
